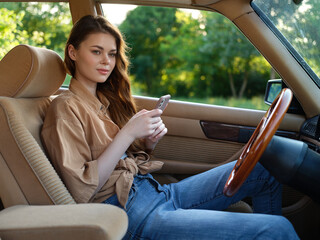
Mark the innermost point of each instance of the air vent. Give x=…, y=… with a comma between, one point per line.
x=309, y=128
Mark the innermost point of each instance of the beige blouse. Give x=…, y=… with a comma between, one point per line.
x=76, y=130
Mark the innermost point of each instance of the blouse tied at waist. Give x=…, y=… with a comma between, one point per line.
x=121, y=179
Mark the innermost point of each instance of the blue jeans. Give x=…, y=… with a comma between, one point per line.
x=192, y=208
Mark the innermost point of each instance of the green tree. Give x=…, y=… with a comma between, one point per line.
x=235, y=53
x=42, y=24
x=298, y=21
x=305, y=31
x=10, y=35
x=180, y=50
x=145, y=29
x=172, y=52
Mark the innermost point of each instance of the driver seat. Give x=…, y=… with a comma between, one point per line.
x=29, y=77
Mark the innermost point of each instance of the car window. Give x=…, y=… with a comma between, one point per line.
x=196, y=56
x=296, y=23
x=37, y=24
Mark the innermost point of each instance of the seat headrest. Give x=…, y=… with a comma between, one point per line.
x=30, y=72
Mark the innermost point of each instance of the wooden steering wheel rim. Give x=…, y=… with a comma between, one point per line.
x=258, y=142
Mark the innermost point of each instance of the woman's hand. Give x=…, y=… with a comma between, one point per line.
x=154, y=138
x=143, y=124
x=148, y=125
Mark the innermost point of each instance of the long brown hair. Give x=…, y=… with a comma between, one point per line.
x=117, y=88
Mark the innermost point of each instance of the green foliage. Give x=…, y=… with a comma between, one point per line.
x=146, y=29
x=36, y=24
x=10, y=36
x=205, y=58
x=256, y=102
x=235, y=55
x=308, y=41
x=299, y=22
x=174, y=53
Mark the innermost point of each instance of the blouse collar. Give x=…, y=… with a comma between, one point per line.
x=98, y=104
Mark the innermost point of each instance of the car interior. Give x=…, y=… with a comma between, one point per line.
x=35, y=204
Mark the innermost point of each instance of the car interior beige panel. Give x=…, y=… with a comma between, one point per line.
x=206, y=112
x=195, y=150
x=190, y=168
x=283, y=62
x=178, y=126
x=176, y=3
x=239, y=8
x=99, y=9
x=80, y=8
x=185, y=149
x=204, y=2
x=166, y=3
x=190, y=156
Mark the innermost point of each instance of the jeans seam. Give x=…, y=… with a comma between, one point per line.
x=221, y=194
x=132, y=199
x=271, y=203
x=137, y=235
x=204, y=202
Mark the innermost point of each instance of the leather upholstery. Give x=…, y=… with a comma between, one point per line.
x=28, y=71
x=29, y=76
x=63, y=222
x=25, y=72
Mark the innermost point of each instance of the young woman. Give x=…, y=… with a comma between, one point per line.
x=99, y=146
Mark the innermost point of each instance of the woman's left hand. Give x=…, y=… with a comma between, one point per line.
x=152, y=140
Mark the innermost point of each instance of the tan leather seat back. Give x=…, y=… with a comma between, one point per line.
x=28, y=78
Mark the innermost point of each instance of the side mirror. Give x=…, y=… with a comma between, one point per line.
x=274, y=87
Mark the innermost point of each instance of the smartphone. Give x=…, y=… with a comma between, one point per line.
x=163, y=102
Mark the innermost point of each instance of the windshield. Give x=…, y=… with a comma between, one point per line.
x=299, y=24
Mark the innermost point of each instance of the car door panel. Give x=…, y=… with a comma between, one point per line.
x=202, y=136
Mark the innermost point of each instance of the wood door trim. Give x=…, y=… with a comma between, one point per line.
x=235, y=133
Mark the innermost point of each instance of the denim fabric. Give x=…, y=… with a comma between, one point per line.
x=192, y=208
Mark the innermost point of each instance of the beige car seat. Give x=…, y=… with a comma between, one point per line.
x=29, y=76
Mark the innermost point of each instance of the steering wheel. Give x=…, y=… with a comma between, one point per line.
x=258, y=142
